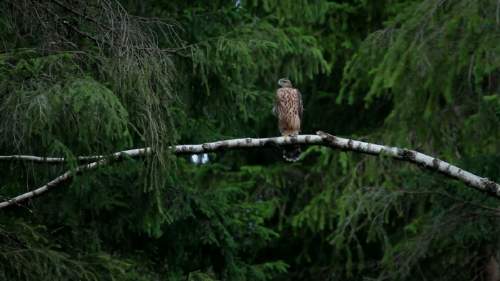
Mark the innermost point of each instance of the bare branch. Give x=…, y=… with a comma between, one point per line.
x=321, y=138
x=53, y=183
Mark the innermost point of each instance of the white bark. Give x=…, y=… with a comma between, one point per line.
x=48, y=160
x=321, y=138
x=53, y=183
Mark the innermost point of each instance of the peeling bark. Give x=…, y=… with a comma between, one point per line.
x=321, y=138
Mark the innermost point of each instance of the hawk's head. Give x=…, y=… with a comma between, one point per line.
x=285, y=83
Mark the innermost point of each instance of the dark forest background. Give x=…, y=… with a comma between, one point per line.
x=94, y=77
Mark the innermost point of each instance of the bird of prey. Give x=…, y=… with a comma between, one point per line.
x=288, y=108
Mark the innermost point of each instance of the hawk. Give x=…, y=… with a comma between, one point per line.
x=288, y=108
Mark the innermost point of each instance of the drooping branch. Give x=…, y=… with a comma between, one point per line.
x=321, y=138
x=53, y=183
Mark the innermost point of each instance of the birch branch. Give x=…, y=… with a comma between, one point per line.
x=48, y=160
x=321, y=138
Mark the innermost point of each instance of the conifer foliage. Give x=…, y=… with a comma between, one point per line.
x=95, y=77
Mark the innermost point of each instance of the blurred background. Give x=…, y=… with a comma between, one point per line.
x=94, y=77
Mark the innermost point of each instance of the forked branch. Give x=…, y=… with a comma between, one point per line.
x=321, y=138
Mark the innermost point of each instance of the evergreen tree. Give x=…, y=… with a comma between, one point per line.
x=95, y=77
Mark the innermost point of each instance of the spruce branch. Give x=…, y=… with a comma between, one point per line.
x=321, y=138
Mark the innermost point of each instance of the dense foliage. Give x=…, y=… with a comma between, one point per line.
x=94, y=77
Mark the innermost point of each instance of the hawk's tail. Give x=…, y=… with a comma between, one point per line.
x=292, y=153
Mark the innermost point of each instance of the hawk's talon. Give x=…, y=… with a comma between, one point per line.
x=288, y=106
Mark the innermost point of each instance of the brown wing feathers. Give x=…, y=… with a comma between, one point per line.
x=289, y=110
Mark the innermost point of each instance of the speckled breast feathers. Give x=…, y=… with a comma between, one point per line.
x=289, y=110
